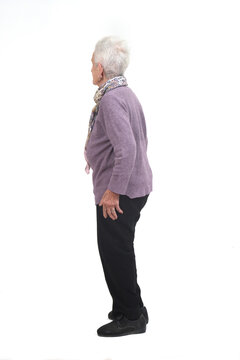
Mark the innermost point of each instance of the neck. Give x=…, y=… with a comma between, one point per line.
x=100, y=83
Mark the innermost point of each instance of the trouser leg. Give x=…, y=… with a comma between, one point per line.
x=116, y=249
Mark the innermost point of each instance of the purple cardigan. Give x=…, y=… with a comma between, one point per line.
x=117, y=148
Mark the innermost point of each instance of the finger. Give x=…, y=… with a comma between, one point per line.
x=110, y=213
x=113, y=213
x=119, y=209
x=104, y=211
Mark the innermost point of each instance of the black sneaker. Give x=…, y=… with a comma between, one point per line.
x=117, y=315
x=123, y=327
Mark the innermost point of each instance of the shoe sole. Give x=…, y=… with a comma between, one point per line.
x=137, y=331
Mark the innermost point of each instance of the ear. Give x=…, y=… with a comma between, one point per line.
x=100, y=68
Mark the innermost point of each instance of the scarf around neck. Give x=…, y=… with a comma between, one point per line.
x=108, y=85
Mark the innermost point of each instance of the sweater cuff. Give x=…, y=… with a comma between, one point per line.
x=118, y=183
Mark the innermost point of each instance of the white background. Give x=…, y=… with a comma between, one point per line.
x=184, y=68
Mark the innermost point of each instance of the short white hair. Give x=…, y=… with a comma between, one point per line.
x=113, y=54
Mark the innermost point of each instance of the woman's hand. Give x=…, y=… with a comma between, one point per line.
x=110, y=203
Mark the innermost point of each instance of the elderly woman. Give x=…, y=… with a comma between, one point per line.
x=116, y=150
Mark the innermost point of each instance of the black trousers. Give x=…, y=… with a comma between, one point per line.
x=116, y=248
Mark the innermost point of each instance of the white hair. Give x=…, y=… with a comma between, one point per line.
x=112, y=53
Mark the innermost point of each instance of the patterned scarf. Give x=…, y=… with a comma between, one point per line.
x=108, y=85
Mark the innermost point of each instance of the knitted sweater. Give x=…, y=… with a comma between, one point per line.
x=117, y=148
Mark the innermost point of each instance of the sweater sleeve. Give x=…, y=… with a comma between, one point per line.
x=120, y=134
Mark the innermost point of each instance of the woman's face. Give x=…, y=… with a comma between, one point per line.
x=95, y=72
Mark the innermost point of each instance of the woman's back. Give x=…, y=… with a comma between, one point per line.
x=117, y=149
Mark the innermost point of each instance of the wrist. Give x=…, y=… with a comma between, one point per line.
x=112, y=192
